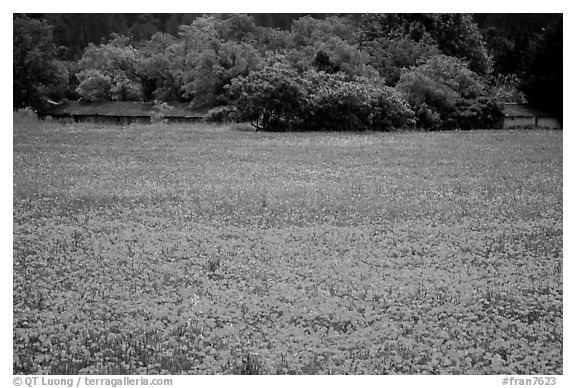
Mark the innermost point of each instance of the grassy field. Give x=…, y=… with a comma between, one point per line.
x=204, y=250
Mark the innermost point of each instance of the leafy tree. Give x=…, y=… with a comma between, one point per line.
x=72, y=81
x=458, y=35
x=323, y=63
x=271, y=98
x=208, y=63
x=509, y=36
x=176, y=20
x=94, y=86
x=327, y=45
x=307, y=30
x=354, y=105
x=390, y=55
x=348, y=58
x=144, y=28
x=279, y=99
x=455, y=35
x=216, y=68
x=116, y=62
x=73, y=32
x=503, y=49
x=193, y=49
x=200, y=35
x=238, y=28
x=271, y=40
x=37, y=74
x=505, y=88
x=125, y=89
x=334, y=71
x=156, y=66
x=375, y=26
x=446, y=94
x=332, y=55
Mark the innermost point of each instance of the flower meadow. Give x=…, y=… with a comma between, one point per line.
x=202, y=249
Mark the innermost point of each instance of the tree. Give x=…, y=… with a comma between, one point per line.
x=331, y=54
x=156, y=66
x=446, y=94
x=307, y=30
x=505, y=88
x=208, y=62
x=346, y=57
x=37, y=74
x=94, y=86
x=194, y=48
x=271, y=40
x=271, y=99
x=144, y=27
x=504, y=51
x=509, y=36
x=238, y=28
x=328, y=45
x=323, y=63
x=458, y=35
x=390, y=55
x=73, y=32
x=114, y=62
x=455, y=35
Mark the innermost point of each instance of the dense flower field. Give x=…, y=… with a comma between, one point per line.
x=205, y=250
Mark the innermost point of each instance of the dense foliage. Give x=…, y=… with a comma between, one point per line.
x=272, y=98
x=528, y=46
x=108, y=72
x=445, y=93
x=38, y=75
x=357, y=104
x=279, y=99
x=376, y=64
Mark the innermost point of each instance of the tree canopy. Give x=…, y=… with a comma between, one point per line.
x=434, y=71
x=38, y=75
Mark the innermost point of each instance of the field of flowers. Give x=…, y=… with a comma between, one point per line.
x=208, y=250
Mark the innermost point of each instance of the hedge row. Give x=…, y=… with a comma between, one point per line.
x=440, y=94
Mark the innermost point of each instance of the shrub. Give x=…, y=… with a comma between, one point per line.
x=25, y=116
x=94, y=86
x=272, y=99
x=222, y=114
x=355, y=105
x=480, y=113
x=281, y=99
x=159, y=112
x=391, y=110
x=506, y=88
x=125, y=89
x=37, y=74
